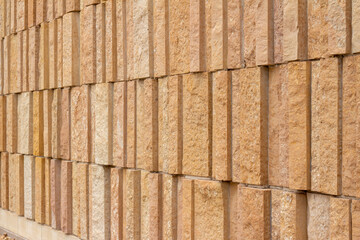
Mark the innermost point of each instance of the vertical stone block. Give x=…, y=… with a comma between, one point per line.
x=20, y=80
x=55, y=185
x=60, y=8
x=100, y=43
x=40, y=190
x=234, y=36
x=15, y=63
x=65, y=124
x=117, y=203
x=16, y=184
x=47, y=193
x=264, y=33
x=211, y=210
x=196, y=124
x=25, y=61
x=11, y=123
x=100, y=200
x=4, y=180
x=2, y=123
x=80, y=124
x=50, y=10
x=110, y=42
x=169, y=206
x=325, y=125
x=29, y=187
x=71, y=49
x=249, y=39
x=13, y=16
x=55, y=123
x=249, y=110
x=254, y=213
x=103, y=123
x=131, y=124
x=7, y=14
x=6, y=65
x=72, y=5
x=66, y=197
x=234, y=225
x=170, y=124
x=2, y=18
x=185, y=206
x=119, y=127
x=146, y=124
x=121, y=40
x=34, y=50
x=318, y=40
x=59, y=59
x=53, y=45
x=355, y=24
x=278, y=28
x=38, y=123
x=221, y=127
x=2, y=66
x=31, y=13
x=340, y=218
x=25, y=123
x=40, y=11
x=197, y=36
x=48, y=98
x=44, y=57
x=355, y=216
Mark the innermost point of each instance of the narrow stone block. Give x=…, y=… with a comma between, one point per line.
x=71, y=49
x=2, y=123
x=169, y=206
x=16, y=184
x=2, y=60
x=119, y=128
x=7, y=16
x=2, y=18
x=60, y=8
x=221, y=129
x=116, y=203
x=44, y=57
x=31, y=13
x=110, y=42
x=72, y=5
x=185, y=206
x=130, y=124
x=325, y=140
x=11, y=123
x=25, y=61
x=66, y=197
x=121, y=40
x=234, y=212
x=4, y=180
x=340, y=218
x=29, y=187
x=55, y=185
x=50, y=10
x=249, y=22
x=55, y=123
x=6, y=65
x=38, y=123
x=278, y=28
x=318, y=40
x=59, y=61
x=100, y=43
x=48, y=99
x=13, y=16
x=355, y=216
x=170, y=127
x=34, y=50
x=65, y=124
x=17, y=87
x=40, y=11
x=264, y=33
x=235, y=53
x=53, y=32
x=355, y=25
x=40, y=190
x=47, y=193
x=196, y=124
x=197, y=36
x=15, y=63
x=25, y=123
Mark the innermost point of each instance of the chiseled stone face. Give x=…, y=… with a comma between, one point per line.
x=117, y=187
x=72, y=5
x=25, y=123
x=65, y=124
x=185, y=208
x=340, y=218
x=29, y=186
x=38, y=123
x=318, y=224
x=355, y=216
x=40, y=190
x=169, y=206
x=119, y=128
x=55, y=198
x=66, y=196
x=5, y=180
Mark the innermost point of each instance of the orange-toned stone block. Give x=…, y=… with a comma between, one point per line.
x=185, y=206
x=2, y=67
x=64, y=122
x=249, y=38
x=59, y=58
x=169, y=206
x=2, y=123
x=254, y=213
x=13, y=15
x=355, y=26
x=25, y=123
x=38, y=123
x=4, y=180
x=47, y=192
x=31, y=13
x=120, y=40
x=55, y=198
x=16, y=184
x=29, y=186
x=15, y=63
x=221, y=135
x=318, y=41
x=234, y=55
x=100, y=43
x=6, y=65
x=60, y=8
x=48, y=98
x=72, y=5
x=110, y=42
x=20, y=64
x=7, y=16
x=40, y=11
x=44, y=57
x=234, y=216
x=278, y=28
x=11, y=123
x=146, y=124
x=130, y=124
x=34, y=50
x=66, y=197
x=25, y=60
x=2, y=18
x=340, y=218
x=40, y=190
x=325, y=140
x=249, y=109
x=170, y=116
x=55, y=123
x=355, y=216
x=119, y=127
x=196, y=124
x=264, y=33
x=117, y=187
x=53, y=32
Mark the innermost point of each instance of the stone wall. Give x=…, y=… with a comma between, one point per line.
x=180, y=119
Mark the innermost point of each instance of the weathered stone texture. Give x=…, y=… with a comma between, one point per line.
x=340, y=218
x=48, y=98
x=355, y=216
x=16, y=183
x=119, y=127
x=66, y=196
x=25, y=123
x=29, y=187
x=34, y=50
x=161, y=38
x=169, y=206
x=234, y=36
x=2, y=123
x=64, y=122
x=130, y=124
x=11, y=123
x=264, y=32
x=4, y=180
x=38, y=123
x=185, y=205
x=40, y=190
x=55, y=126
x=44, y=57
x=117, y=188
x=55, y=198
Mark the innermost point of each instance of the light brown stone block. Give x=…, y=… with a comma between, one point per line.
x=264, y=33
x=4, y=180
x=318, y=40
x=25, y=61
x=100, y=43
x=110, y=42
x=170, y=117
x=2, y=18
x=221, y=126
x=55, y=123
x=72, y=5
x=355, y=216
x=90, y=2
x=31, y=13
x=119, y=127
x=34, y=50
x=7, y=15
x=234, y=56
x=60, y=8
x=196, y=124
x=53, y=45
x=16, y=184
x=254, y=213
x=48, y=99
x=47, y=192
x=146, y=124
x=249, y=38
x=249, y=109
x=11, y=123
x=50, y=10
x=288, y=211
x=40, y=190
x=2, y=66
x=25, y=123
x=38, y=123
x=44, y=57
x=71, y=49
x=340, y=218
x=325, y=140
x=75, y=199
x=169, y=206
x=103, y=123
x=66, y=197
x=13, y=16
x=355, y=25
x=6, y=65
x=40, y=11
x=116, y=203
x=278, y=28
x=121, y=40
x=65, y=124
x=55, y=198
x=234, y=213
x=29, y=187
x=80, y=124
x=185, y=206
x=130, y=124
x=2, y=123
x=59, y=61
x=211, y=211
x=15, y=63
x=19, y=62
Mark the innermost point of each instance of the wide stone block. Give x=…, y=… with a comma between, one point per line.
x=11, y=123
x=29, y=187
x=34, y=50
x=4, y=180
x=16, y=184
x=119, y=127
x=66, y=197
x=185, y=206
x=234, y=55
x=65, y=124
x=2, y=123
x=169, y=206
x=25, y=123
x=44, y=57
x=130, y=124
x=196, y=124
x=55, y=198
x=38, y=123
x=55, y=123
x=48, y=98
x=117, y=186
x=40, y=190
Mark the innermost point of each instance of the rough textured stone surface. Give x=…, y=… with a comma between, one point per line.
x=4, y=188
x=59, y=61
x=34, y=45
x=65, y=124
x=2, y=123
x=234, y=216
x=60, y=8
x=340, y=218
x=110, y=42
x=16, y=183
x=264, y=32
x=66, y=196
x=44, y=57
x=50, y=10
x=121, y=40
x=40, y=11
x=31, y=13
x=11, y=123
x=25, y=123
x=117, y=186
x=211, y=212
x=318, y=224
x=355, y=25
x=55, y=198
x=325, y=145
x=161, y=38
x=48, y=98
x=196, y=124
x=170, y=116
x=47, y=192
x=221, y=129
x=53, y=45
x=119, y=127
x=249, y=155
x=40, y=190
x=249, y=24
x=278, y=27
x=24, y=66
x=29, y=187
x=72, y=5
x=100, y=43
x=15, y=70
x=55, y=126
x=185, y=206
x=21, y=15
x=235, y=53
x=130, y=124
x=169, y=206
x=355, y=216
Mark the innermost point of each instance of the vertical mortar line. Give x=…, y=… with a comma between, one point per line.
x=210, y=116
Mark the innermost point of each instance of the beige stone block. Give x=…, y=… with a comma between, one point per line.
x=31, y=13
x=197, y=36
x=132, y=204
x=17, y=86
x=55, y=123
x=121, y=40
x=2, y=123
x=169, y=206
x=264, y=33
x=249, y=22
x=179, y=40
x=254, y=213
x=7, y=15
x=294, y=43
x=318, y=40
x=100, y=202
x=25, y=123
x=196, y=124
x=75, y=199
x=44, y=57
x=170, y=128
x=34, y=50
x=71, y=49
x=50, y=10
x=234, y=215
x=13, y=16
x=15, y=63
x=40, y=11
x=92, y=120
x=103, y=123
x=325, y=140
x=80, y=124
x=2, y=18
x=2, y=65
x=60, y=8
x=16, y=184
x=288, y=211
x=6, y=65
x=235, y=53
x=146, y=124
x=64, y=122
x=318, y=216
x=117, y=187
x=100, y=43
x=38, y=123
x=130, y=124
x=53, y=45
x=25, y=61
x=4, y=180
x=185, y=206
x=355, y=25
x=55, y=198
x=11, y=123
x=249, y=109
x=59, y=58
x=355, y=216
x=66, y=197
x=88, y=45
x=211, y=210
x=221, y=125
x=278, y=28
x=47, y=193
x=119, y=127
x=48, y=99
x=110, y=42
x=72, y=5
x=340, y=218
x=90, y=2
x=40, y=190
x=29, y=186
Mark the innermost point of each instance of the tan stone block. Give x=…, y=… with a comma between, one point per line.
x=48, y=99
x=234, y=209
x=254, y=213
x=60, y=8
x=340, y=218
x=88, y=45
x=31, y=13
x=15, y=64
x=50, y=10
x=6, y=65
x=29, y=186
x=130, y=124
x=66, y=197
x=132, y=204
x=234, y=55
x=71, y=49
x=121, y=40
x=325, y=140
x=25, y=123
x=21, y=15
x=25, y=61
x=264, y=33
x=80, y=124
x=55, y=198
x=34, y=50
x=90, y=2
x=103, y=123
x=55, y=123
x=7, y=15
x=16, y=184
x=17, y=86
x=72, y=5
x=249, y=109
x=110, y=42
x=249, y=22
x=75, y=199
x=100, y=202
x=170, y=135
x=2, y=18
x=221, y=129
x=355, y=25
x=44, y=57
x=11, y=123
x=185, y=206
x=211, y=210
x=59, y=58
x=196, y=124
x=38, y=123
x=47, y=193
x=288, y=211
x=4, y=180
x=119, y=128
x=92, y=121
x=317, y=28
x=355, y=216
x=40, y=11
x=197, y=34
x=100, y=43
x=318, y=216
x=13, y=16
x=53, y=45
x=2, y=123
x=169, y=206
x=116, y=203
x=294, y=30
x=2, y=66
x=65, y=127
x=278, y=28
x=40, y=190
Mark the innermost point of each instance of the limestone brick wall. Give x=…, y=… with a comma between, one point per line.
x=180, y=119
